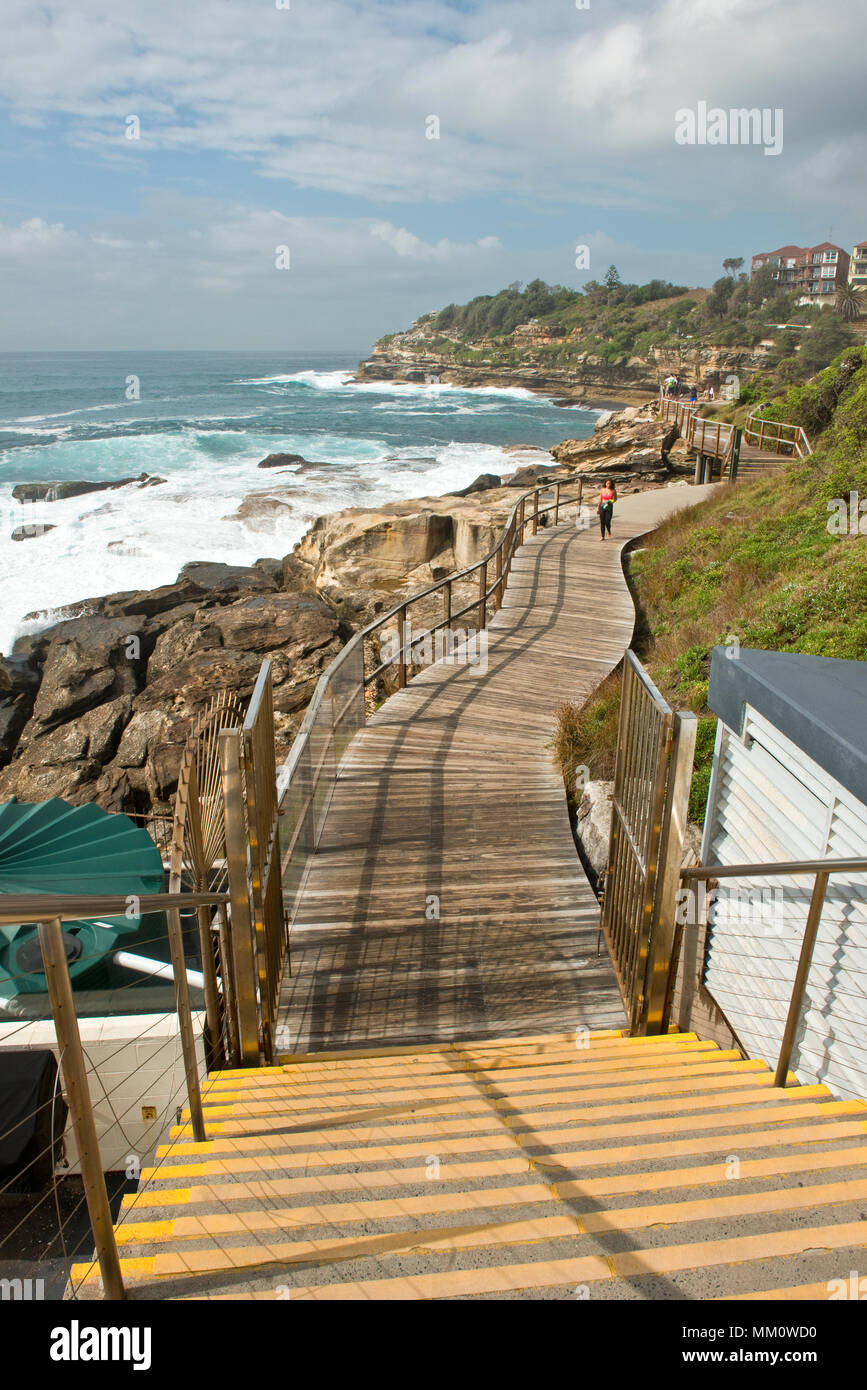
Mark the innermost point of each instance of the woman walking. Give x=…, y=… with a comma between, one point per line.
x=607, y=498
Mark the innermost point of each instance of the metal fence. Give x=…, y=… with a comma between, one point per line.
x=655, y=750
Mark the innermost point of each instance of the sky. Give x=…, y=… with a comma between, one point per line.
x=293, y=174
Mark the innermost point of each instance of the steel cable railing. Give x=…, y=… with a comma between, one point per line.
x=821, y=869
x=86, y=1087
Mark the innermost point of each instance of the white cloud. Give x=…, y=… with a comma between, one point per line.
x=407, y=244
x=334, y=95
x=34, y=236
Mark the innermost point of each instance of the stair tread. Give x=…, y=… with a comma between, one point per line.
x=637, y=1166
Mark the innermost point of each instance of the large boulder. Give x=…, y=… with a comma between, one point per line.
x=66, y=760
x=363, y=560
x=594, y=824
x=218, y=579
x=483, y=483
x=89, y=661
x=653, y=438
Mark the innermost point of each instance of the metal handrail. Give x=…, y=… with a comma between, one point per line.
x=683, y=411
x=29, y=908
x=511, y=536
x=510, y=532
x=822, y=869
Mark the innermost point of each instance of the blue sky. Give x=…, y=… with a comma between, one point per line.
x=306, y=126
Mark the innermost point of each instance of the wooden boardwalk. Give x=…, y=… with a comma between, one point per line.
x=446, y=900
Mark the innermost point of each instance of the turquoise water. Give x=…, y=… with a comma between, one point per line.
x=202, y=421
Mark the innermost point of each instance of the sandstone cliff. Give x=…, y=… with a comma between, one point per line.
x=588, y=378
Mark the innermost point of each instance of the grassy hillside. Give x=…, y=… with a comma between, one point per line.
x=756, y=564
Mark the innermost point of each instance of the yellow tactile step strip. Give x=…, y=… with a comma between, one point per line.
x=458, y=1088
x=342, y=1055
x=266, y=1190
x=461, y=1084
x=711, y=1208
x=829, y=1131
x=844, y=1286
x=570, y=1079
x=450, y=1060
x=493, y=1118
x=661, y=1080
x=680, y=1091
x=300, y=1080
x=667, y=1259
x=788, y=1107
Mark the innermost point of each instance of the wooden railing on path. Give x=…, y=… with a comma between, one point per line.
x=775, y=436
x=719, y=442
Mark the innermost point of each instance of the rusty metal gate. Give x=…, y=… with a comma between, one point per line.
x=655, y=750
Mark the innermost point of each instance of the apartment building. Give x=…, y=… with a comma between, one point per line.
x=858, y=266
x=817, y=271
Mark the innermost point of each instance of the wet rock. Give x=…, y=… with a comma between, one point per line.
x=264, y=507
x=62, y=488
x=89, y=661
x=483, y=483
x=25, y=533
x=272, y=568
x=282, y=460
x=215, y=578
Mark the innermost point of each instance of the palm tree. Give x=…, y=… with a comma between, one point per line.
x=849, y=303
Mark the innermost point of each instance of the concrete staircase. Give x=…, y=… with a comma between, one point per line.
x=600, y=1166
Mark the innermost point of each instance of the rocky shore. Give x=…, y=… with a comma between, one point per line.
x=97, y=707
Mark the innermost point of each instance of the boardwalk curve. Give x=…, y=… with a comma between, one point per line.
x=446, y=900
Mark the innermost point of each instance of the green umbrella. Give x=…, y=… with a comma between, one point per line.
x=53, y=847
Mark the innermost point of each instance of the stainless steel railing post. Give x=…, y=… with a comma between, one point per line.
x=80, y=1104
x=185, y=1023
x=796, y=1003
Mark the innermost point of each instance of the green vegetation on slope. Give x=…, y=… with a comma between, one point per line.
x=757, y=565
x=614, y=321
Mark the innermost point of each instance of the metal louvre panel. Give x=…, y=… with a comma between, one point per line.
x=772, y=802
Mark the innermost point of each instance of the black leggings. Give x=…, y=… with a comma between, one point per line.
x=605, y=515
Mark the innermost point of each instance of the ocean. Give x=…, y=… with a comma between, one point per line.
x=203, y=421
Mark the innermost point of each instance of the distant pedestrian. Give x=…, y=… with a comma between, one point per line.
x=693, y=396
x=607, y=498
x=710, y=393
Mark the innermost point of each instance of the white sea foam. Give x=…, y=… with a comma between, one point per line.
x=137, y=538
x=62, y=414
x=345, y=381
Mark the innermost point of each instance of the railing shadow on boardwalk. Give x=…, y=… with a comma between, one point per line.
x=450, y=793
